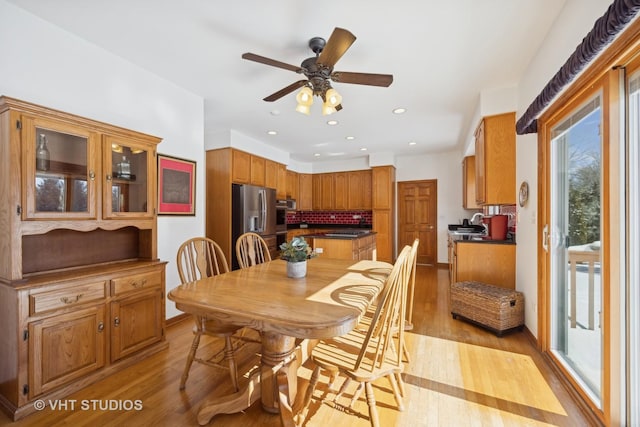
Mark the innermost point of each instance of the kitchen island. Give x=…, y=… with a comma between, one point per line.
x=355, y=244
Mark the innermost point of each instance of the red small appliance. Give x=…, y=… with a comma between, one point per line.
x=498, y=227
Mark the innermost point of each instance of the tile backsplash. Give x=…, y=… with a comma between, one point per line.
x=329, y=217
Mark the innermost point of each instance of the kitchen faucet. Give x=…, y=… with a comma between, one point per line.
x=476, y=215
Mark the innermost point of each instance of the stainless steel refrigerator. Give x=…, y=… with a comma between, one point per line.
x=254, y=209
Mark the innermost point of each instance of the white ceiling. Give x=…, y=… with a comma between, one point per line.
x=442, y=54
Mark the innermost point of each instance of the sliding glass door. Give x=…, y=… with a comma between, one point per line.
x=575, y=178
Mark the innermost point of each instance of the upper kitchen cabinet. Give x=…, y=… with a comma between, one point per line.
x=341, y=190
x=281, y=187
x=469, y=183
x=359, y=190
x=495, y=161
x=293, y=185
x=305, y=192
x=257, y=171
x=248, y=169
x=323, y=192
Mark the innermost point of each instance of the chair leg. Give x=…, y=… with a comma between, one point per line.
x=313, y=381
x=405, y=352
x=371, y=401
x=344, y=386
x=397, y=394
x=192, y=354
x=231, y=359
x=356, y=394
x=400, y=383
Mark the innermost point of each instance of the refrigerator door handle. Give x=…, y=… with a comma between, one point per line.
x=262, y=197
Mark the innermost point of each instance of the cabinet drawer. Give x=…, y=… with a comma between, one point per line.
x=65, y=298
x=136, y=282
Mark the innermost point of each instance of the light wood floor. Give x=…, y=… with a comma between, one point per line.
x=460, y=375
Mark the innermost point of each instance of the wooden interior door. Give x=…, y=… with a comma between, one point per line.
x=417, y=218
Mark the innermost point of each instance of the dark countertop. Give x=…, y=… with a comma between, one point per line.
x=487, y=241
x=330, y=226
x=343, y=237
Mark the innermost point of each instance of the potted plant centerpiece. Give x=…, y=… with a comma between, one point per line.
x=296, y=253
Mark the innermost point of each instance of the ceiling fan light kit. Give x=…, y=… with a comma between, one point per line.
x=319, y=73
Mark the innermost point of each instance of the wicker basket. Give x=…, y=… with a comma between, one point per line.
x=495, y=308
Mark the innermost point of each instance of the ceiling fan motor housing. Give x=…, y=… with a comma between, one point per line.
x=316, y=44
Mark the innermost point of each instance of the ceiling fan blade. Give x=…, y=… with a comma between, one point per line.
x=362, y=78
x=272, y=62
x=336, y=46
x=285, y=91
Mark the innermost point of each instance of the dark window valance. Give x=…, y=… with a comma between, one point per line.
x=618, y=15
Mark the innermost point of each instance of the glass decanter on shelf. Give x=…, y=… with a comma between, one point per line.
x=43, y=160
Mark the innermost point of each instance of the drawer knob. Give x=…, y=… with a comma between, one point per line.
x=67, y=300
x=116, y=321
x=100, y=326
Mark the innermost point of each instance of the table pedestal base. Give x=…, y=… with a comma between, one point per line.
x=275, y=383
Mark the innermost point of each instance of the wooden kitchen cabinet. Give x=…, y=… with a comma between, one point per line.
x=271, y=175
x=281, y=187
x=491, y=263
x=305, y=192
x=80, y=199
x=293, y=185
x=323, y=191
x=359, y=190
x=495, y=160
x=341, y=190
x=240, y=167
x=258, y=166
x=469, y=183
x=383, y=183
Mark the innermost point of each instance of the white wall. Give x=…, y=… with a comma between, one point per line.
x=446, y=168
x=572, y=25
x=51, y=67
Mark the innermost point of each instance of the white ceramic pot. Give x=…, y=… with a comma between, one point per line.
x=296, y=269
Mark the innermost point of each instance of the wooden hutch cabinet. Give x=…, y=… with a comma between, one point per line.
x=81, y=288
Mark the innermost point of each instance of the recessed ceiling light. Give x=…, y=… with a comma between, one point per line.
x=412, y=143
x=399, y=110
x=332, y=122
x=316, y=154
x=363, y=149
x=275, y=112
x=272, y=132
x=349, y=138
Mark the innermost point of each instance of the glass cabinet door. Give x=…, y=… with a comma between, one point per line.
x=60, y=165
x=128, y=191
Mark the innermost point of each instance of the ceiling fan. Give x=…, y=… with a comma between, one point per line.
x=319, y=72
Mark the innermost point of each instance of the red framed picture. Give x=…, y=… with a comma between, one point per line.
x=176, y=186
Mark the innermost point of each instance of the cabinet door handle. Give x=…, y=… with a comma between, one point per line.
x=100, y=326
x=545, y=238
x=108, y=177
x=92, y=175
x=116, y=322
x=67, y=300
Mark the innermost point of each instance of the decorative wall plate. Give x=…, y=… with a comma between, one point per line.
x=524, y=193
